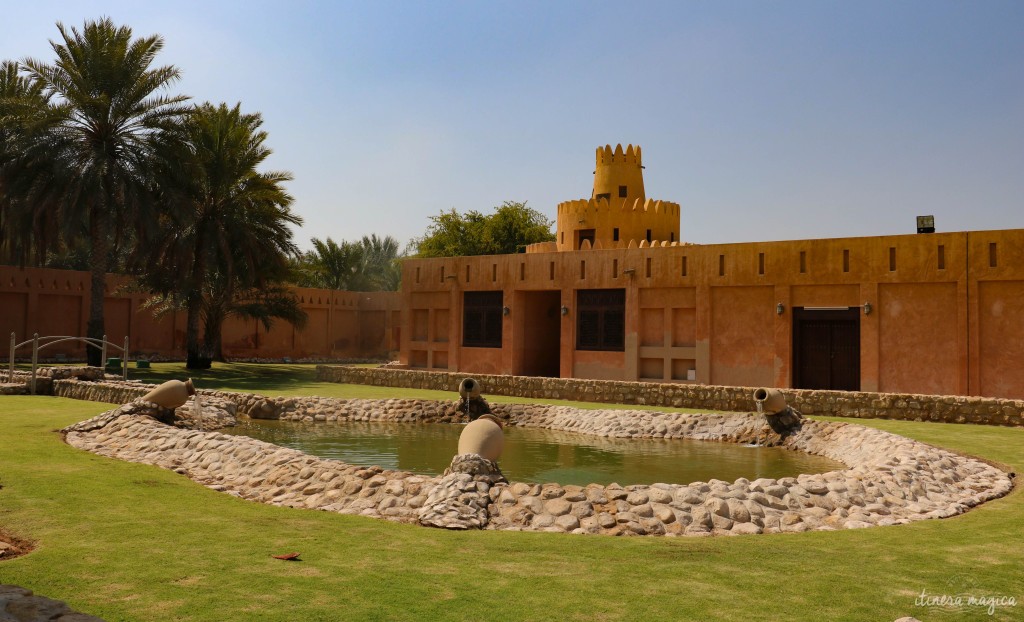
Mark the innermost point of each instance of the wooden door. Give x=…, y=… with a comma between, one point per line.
x=826, y=349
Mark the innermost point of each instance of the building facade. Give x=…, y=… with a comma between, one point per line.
x=618, y=296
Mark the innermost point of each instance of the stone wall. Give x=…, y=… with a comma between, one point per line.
x=305, y=408
x=123, y=392
x=12, y=388
x=46, y=376
x=947, y=409
x=44, y=384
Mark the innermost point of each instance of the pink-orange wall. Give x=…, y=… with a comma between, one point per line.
x=56, y=302
x=946, y=310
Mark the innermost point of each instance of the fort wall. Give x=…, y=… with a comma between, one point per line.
x=56, y=302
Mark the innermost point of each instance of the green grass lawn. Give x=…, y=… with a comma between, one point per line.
x=133, y=542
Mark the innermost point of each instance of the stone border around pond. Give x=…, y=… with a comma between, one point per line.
x=889, y=480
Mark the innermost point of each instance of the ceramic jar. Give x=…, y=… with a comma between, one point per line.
x=171, y=394
x=772, y=401
x=483, y=437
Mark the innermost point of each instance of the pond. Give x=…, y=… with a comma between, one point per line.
x=538, y=455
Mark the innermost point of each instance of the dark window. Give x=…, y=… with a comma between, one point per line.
x=481, y=319
x=942, y=257
x=586, y=234
x=601, y=319
x=604, y=195
x=648, y=235
x=615, y=234
x=622, y=192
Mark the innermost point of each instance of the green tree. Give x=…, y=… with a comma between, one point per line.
x=264, y=299
x=381, y=262
x=84, y=159
x=33, y=228
x=370, y=264
x=332, y=266
x=222, y=299
x=24, y=228
x=511, y=227
x=227, y=223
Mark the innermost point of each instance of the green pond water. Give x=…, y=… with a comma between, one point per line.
x=539, y=456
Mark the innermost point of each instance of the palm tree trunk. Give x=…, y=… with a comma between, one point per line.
x=212, y=336
x=99, y=261
x=194, y=358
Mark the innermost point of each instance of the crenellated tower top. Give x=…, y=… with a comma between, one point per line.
x=618, y=175
x=618, y=213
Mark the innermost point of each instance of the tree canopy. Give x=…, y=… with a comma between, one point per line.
x=370, y=264
x=78, y=136
x=225, y=230
x=511, y=227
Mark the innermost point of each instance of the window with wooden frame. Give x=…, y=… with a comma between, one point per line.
x=601, y=319
x=481, y=319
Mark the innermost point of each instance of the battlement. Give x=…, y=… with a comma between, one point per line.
x=600, y=223
x=631, y=155
x=583, y=207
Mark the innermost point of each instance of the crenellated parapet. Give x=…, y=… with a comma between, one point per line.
x=630, y=155
x=605, y=224
x=585, y=207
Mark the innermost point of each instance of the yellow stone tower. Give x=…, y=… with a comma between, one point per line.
x=618, y=212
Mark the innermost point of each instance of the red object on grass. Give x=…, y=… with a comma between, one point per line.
x=287, y=556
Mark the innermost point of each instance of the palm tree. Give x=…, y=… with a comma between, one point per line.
x=225, y=220
x=381, y=262
x=85, y=168
x=333, y=266
x=271, y=301
x=370, y=264
x=26, y=230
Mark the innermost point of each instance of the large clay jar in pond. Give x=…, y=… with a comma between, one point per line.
x=772, y=400
x=483, y=437
x=171, y=394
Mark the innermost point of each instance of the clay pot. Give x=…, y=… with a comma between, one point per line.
x=171, y=394
x=483, y=437
x=772, y=401
x=469, y=389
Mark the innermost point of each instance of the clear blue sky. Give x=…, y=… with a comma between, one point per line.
x=764, y=120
